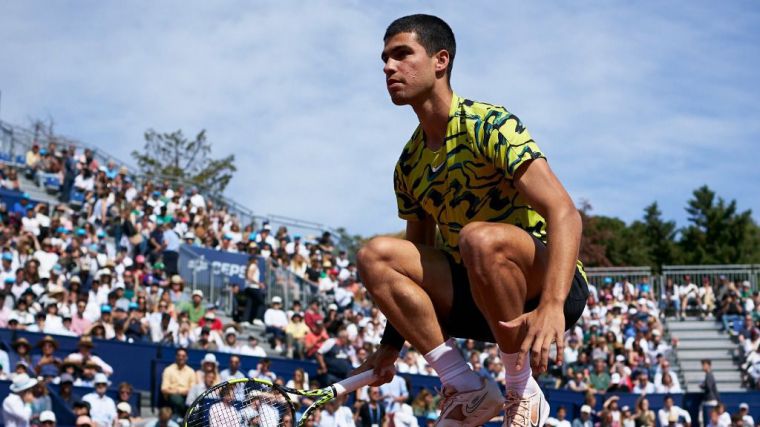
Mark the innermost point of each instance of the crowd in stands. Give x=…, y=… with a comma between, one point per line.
x=103, y=264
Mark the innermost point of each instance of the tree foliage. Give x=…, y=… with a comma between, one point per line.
x=172, y=155
x=717, y=233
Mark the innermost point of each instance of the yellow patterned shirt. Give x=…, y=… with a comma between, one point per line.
x=471, y=177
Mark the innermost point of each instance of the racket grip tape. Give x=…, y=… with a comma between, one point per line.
x=355, y=382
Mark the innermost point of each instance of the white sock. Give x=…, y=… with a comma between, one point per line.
x=518, y=380
x=451, y=367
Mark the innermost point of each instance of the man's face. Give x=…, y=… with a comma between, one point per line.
x=410, y=72
x=181, y=358
x=234, y=363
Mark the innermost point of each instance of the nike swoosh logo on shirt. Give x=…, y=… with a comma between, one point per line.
x=436, y=168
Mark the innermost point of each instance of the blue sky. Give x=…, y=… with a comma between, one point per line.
x=632, y=101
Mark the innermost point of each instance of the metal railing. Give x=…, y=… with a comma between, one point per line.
x=17, y=140
x=287, y=285
x=737, y=273
x=605, y=276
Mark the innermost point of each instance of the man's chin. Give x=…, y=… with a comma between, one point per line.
x=399, y=99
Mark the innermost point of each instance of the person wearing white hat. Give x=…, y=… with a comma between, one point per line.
x=17, y=407
x=744, y=412
x=47, y=419
x=102, y=407
x=276, y=320
x=585, y=418
x=123, y=412
x=231, y=344
x=208, y=364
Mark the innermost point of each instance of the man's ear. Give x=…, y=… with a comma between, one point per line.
x=442, y=59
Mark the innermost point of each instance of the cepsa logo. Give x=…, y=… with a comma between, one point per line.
x=218, y=268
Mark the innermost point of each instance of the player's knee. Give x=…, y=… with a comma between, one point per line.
x=377, y=253
x=481, y=241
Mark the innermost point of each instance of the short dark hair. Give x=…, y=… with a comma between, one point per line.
x=707, y=361
x=433, y=33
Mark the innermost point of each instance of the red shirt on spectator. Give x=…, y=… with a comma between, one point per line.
x=312, y=316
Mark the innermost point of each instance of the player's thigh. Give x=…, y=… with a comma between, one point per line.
x=425, y=266
x=484, y=243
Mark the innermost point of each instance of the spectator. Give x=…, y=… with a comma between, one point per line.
x=66, y=390
x=744, y=413
x=315, y=339
x=125, y=396
x=176, y=381
x=170, y=243
x=372, y=412
x=643, y=386
x=208, y=381
x=276, y=321
x=102, y=407
x=585, y=419
x=394, y=394
x=334, y=359
x=231, y=344
x=600, y=378
x=673, y=412
x=85, y=354
x=208, y=364
x=124, y=414
x=253, y=348
x=262, y=371
x=296, y=332
x=644, y=416
x=84, y=421
x=335, y=414
x=17, y=409
x=47, y=419
x=164, y=418
x=233, y=371
x=562, y=417
x=300, y=381
x=195, y=309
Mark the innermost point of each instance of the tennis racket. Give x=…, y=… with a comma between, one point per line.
x=256, y=402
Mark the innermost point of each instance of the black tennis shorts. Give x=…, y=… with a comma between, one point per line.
x=466, y=320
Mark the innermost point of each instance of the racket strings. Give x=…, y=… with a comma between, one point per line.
x=242, y=404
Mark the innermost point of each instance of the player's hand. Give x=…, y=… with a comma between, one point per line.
x=541, y=326
x=383, y=362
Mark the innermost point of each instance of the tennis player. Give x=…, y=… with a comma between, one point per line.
x=507, y=271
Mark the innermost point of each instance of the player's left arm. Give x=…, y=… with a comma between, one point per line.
x=544, y=192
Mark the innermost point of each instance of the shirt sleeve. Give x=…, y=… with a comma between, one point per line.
x=506, y=143
x=408, y=207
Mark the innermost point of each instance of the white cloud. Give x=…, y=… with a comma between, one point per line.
x=633, y=103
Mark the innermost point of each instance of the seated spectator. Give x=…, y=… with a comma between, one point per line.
x=296, y=332
x=644, y=415
x=102, y=407
x=578, y=382
x=423, y=405
x=394, y=394
x=231, y=344
x=208, y=364
x=670, y=411
x=744, y=414
x=585, y=419
x=195, y=308
x=334, y=358
x=85, y=354
x=262, y=371
x=125, y=396
x=164, y=418
x=22, y=353
x=66, y=390
x=314, y=339
x=300, y=381
x=252, y=348
x=336, y=414
x=176, y=381
x=233, y=371
x=17, y=409
x=599, y=379
x=47, y=364
x=643, y=386
x=208, y=381
x=276, y=321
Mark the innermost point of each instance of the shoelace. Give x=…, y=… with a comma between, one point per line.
x=446, y=394
x=516, y=407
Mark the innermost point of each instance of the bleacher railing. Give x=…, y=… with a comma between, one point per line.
x=15, y=141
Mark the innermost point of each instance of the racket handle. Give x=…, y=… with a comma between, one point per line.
x=355, y=382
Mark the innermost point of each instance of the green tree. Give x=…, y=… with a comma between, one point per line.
x=718, y=233
x=173, y=156
x=658, y=237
